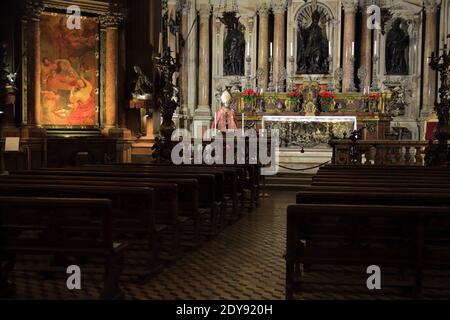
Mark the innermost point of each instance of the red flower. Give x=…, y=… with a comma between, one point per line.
x=327, y=95
x=373, y=96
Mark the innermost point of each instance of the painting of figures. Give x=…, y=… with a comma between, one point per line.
x=69, y=72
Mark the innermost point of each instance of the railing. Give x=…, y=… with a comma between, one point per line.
x=378, y=152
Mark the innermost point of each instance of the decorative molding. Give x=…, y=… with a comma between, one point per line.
x=263, y=9
x=111, y=19
x=185, y=7
x=279, y=7
x=34, y=9
x=349, y=5
x=430, y=6
x=204, y=10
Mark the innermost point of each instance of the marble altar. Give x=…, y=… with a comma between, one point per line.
x=309, y=131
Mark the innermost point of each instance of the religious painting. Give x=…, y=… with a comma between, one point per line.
x=69, y=72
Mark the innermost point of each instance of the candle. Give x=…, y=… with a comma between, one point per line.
x=292, y=49
x=243, y=121
x=248, y=47
x=271, y=49
x=353, y=49
x=168, y=36
x=375, y=48
x=329, y=48
x=160, y=43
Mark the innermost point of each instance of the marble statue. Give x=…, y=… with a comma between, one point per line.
x=225, y=118
x=397, y=44
x=312, y=52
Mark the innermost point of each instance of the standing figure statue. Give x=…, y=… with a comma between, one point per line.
x=234, y=45
x=397, y=44
x=312, y=53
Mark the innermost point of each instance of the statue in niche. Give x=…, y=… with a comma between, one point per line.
x=312, y=47
x=234, y=45
x=397, y=45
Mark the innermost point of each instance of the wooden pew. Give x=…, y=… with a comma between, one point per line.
x=363, y=235
x=209, y=197
x=233, y=183
x=251, y=176
x=187, y=193
x=220, y=179
x=40, y=216
x=133, y=212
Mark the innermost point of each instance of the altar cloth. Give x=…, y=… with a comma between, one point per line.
x=308, y=131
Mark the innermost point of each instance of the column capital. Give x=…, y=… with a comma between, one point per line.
x=111, y=19
x=33, y=9
x=185, y=7
x=430, y=6
x=204, y=10
x=263, y=9
x=349, y=5
x=279, y=7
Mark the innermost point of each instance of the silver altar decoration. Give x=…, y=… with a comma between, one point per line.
x=299, y=131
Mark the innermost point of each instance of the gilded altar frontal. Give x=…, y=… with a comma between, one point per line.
x=235, y=158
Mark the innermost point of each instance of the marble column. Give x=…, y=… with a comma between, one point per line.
x=111, y=22
x=204, y=62
x=279, y=39
x=349, y=39
x=263, y=44
x=366, y=49
x=34, y=10
x=429, y=75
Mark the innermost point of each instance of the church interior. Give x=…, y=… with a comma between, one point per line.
x=225, y=150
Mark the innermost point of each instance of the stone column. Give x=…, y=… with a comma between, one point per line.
x=366, y=49
x=111, y=22
x=349, y=38
x=204, y=63
x=263, y=44
x=429, y=75
x=279, y=39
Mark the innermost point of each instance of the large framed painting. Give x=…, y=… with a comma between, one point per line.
x=69, y=72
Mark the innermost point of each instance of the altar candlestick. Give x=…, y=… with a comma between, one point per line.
x=177, y=42
x=271, y=49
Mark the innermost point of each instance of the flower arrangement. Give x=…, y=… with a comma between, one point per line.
x=294, y=98
x=373, y=100
x=326, y=99
x=373, y=97
x=250, y=95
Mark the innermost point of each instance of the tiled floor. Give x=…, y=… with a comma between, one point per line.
x=244, y=262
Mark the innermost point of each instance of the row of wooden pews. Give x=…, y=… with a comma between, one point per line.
x=150, y=214
x=391, y=217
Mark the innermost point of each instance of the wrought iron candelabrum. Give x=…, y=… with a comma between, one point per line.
x=168, y=101
x=439, y=154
